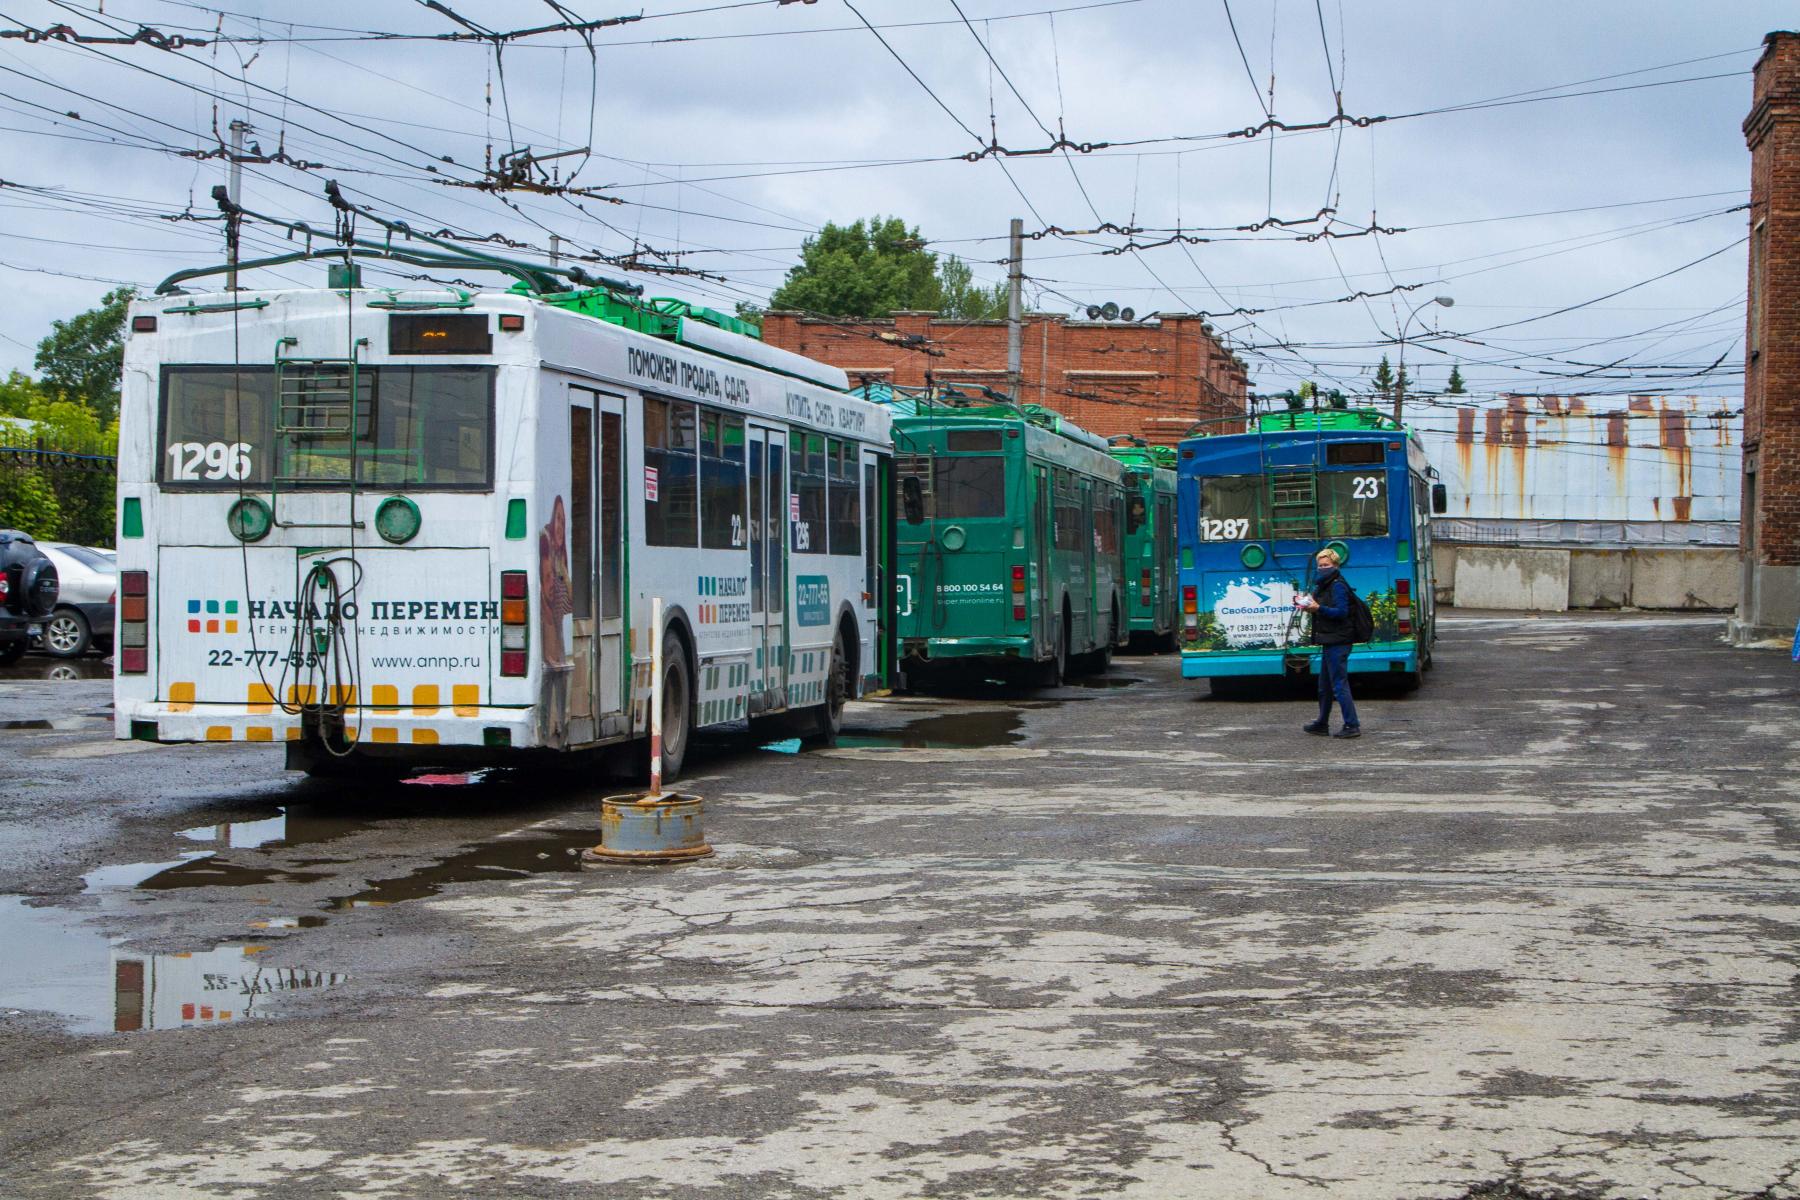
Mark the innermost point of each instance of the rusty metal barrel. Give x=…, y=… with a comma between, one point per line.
x=649, y=830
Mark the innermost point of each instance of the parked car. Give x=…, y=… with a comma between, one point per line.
x=28, y=593
x=83, y=617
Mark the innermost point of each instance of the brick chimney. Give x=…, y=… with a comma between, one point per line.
x=1770, y=537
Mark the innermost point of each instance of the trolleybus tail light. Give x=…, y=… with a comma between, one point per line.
x=515, y=622
x=1403, y=606
x=1144, y=587
x=1190, y=612
x=134, y=622
x=512, y=322
x=1018, y=593
x=143, y=324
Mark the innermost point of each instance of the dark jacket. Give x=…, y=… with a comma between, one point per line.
x=1331, y=620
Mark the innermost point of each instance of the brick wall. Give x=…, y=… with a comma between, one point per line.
x=1772, y=372
x=1151, y=380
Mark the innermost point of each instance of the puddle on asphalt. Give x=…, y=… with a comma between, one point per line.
x=508, y=857
x=535, y=852
x=1104, y=681
x=978, y=730
x=57, y=964
x=58, y=670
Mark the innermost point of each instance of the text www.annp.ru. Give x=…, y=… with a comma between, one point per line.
x=430, y=662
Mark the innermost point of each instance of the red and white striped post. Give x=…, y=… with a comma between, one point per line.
x=656, y=695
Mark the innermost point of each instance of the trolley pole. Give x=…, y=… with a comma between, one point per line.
x=235, y=184
x=1015, y=332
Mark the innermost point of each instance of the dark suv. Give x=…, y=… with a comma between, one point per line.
x=28, y=590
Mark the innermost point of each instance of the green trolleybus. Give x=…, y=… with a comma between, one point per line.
x=1255, y=509
x=1149, y=540
x=1008, y=539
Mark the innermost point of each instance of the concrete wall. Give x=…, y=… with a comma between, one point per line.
x=1512, y=578
x=1599, y=578
x=1554, y=580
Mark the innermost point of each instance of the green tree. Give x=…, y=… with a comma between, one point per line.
x=866, y=269
x=83, y=487
x=84, y=356
x=27, y=502
x=18, y=391
x=1384, y=379
x=1455, y=386
x=966, y=300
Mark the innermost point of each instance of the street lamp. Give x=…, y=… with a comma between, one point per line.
x=1400, y=381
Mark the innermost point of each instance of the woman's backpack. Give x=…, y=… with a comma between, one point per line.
x=1362, y=621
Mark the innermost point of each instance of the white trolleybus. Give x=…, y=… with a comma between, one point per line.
x=388, y=529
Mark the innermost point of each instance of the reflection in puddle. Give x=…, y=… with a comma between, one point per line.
x=537, y=852
x=947, y=731
x=1104, y=681
x=58, y=965
x=58, y=670
x=242, y=835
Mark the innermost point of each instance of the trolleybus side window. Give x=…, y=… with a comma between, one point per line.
x=846, y=499
x=418, y=427
x=581, y=511
x=1231, y=507
x=1353, y=503
x=775, y=548
x=808, y=471
x=1068, y=511
x=722, y=481
x=670, y=491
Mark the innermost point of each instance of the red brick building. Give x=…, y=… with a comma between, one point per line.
x=1154, y=379
x=1770, y=541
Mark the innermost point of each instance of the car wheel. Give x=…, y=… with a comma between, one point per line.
x=66, y=634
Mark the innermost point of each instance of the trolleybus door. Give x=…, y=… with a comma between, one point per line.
x=1040, y=567
x=878, y=596
x=596, y=564
x=768, y=565
x=614, y=664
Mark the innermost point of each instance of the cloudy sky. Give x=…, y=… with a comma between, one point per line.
x=1535, y=157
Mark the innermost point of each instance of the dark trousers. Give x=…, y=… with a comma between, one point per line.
x=1334, y=681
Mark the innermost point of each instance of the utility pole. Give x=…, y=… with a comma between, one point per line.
x=555, y=250
x=1015, y=331
x=235, y=185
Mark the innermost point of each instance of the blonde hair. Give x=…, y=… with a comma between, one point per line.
x=1327, y=550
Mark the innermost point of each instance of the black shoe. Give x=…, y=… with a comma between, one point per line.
x=1318, y=727
x=1349, y=731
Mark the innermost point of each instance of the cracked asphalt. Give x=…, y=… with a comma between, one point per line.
x=1534, y=936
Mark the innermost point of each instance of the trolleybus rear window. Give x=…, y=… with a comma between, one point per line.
x=418, y=427
x=1353, y=503
x=957, y=488
x=1231, y=507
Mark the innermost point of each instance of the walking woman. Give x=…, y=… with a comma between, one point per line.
x=1332, y=632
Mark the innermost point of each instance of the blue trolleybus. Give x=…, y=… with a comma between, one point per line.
x=1254, y=510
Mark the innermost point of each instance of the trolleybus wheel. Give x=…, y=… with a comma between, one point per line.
x=1051, y=673
x=677, y=696
x=828, y=717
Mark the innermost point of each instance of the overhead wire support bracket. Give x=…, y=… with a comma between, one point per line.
x=541, y=280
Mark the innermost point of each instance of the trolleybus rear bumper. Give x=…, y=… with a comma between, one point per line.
x=1377, y=660
x=930, y=649
x=452, y=725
